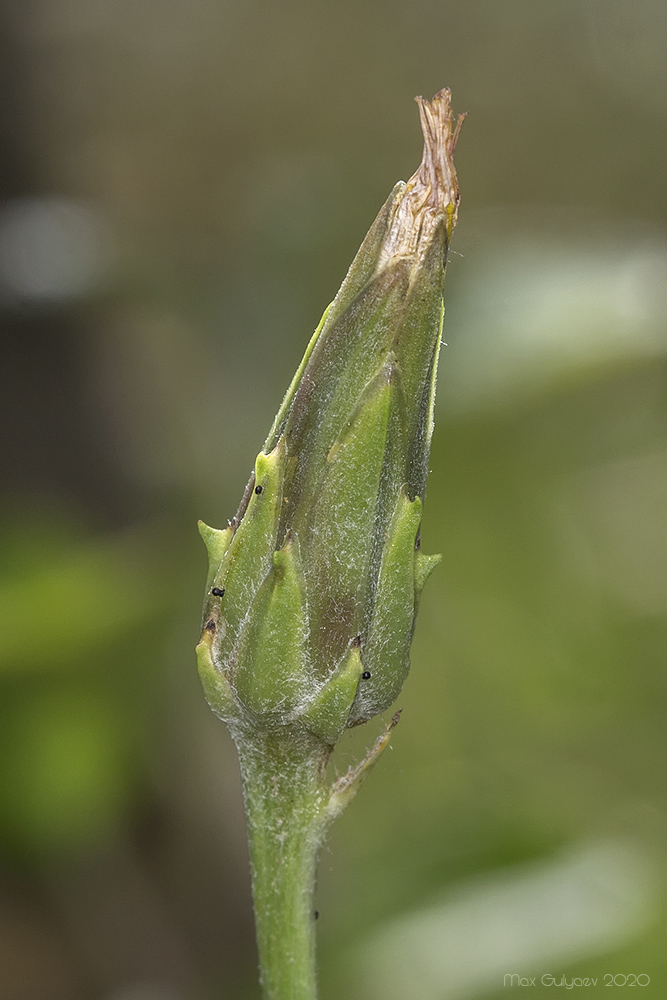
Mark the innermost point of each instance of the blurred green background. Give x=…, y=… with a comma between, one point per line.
x=183, y=186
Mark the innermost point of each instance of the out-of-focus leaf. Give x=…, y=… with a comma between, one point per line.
x=69, y=603
x=63, y=774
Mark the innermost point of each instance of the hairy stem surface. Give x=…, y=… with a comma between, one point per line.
x=285, y=799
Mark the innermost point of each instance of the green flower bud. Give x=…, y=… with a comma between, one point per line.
x=313, y=589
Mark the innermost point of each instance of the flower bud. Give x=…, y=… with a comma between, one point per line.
x=313, y=589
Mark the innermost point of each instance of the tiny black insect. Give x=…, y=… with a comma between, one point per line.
x=218, y=591
x=366, y=675
x=316, y=914
x=258, y=489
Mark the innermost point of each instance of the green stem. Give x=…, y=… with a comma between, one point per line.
x=285, y=796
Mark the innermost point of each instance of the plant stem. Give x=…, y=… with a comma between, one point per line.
x=285, y=799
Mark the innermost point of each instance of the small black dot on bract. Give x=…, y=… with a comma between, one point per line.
x=366, y=675
x=258, y=489
x=210, y=626
x=316, y=914
x=218, y=591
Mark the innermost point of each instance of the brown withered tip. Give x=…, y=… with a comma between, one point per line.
x=433, y=191
x=436, y=176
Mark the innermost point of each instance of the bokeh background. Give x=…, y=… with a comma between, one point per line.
x=183, y=186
